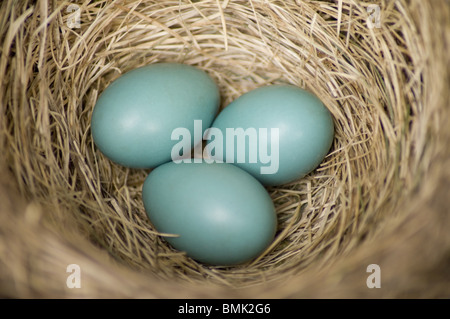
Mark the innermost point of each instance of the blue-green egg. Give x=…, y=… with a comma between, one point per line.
x=277, y=133
x=134, y=117
x=221, y=214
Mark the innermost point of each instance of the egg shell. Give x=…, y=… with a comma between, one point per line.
x=134, y=117
x=305, y=129
x=222, y=214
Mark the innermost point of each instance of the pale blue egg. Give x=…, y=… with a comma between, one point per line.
x=133, y=119
x=222, y=215
x=277, y=133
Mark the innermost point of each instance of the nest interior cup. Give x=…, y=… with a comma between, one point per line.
x=379, y=197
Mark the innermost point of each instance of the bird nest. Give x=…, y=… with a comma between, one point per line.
x=377, y=205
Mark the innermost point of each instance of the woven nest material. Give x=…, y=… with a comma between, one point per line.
x=380, y=196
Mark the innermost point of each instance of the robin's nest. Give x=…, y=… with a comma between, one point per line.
x=379, y=198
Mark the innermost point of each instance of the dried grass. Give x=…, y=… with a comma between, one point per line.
x=379, y=197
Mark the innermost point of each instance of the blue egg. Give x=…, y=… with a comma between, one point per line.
x=277, y=133
x=133, y=119
x=221, y=214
